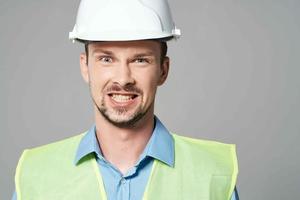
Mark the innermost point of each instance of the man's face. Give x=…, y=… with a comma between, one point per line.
x=123, y=78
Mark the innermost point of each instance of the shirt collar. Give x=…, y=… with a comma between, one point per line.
x=160, y=146
x=87, y=145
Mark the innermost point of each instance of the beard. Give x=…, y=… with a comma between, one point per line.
x=121, y=116
x=118, y=116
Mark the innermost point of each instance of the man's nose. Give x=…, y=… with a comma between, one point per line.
x=124, y=75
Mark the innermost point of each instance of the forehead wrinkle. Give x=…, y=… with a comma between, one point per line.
x=131, y=47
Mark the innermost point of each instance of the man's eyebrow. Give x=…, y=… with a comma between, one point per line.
x=102, y=51
x=145, y=54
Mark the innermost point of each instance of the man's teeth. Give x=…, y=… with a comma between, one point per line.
x=121, y=98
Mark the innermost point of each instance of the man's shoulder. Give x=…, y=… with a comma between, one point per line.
x=200, y=142
x=200, y=147
x=53, y=159
x=58, y=147
x=212, y=151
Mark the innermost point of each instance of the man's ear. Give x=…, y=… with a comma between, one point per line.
x=164, y=70
x=84, y=69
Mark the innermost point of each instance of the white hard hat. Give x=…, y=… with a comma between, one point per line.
x=123, y=20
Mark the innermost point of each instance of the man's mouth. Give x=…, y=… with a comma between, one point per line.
x=122, y=98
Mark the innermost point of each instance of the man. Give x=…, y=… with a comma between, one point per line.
x=128, y=154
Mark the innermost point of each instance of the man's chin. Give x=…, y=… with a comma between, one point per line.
x=123, y=120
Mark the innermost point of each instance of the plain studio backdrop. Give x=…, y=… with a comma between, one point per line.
x=234, y=78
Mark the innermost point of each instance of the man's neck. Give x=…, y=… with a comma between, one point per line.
x=123, y=146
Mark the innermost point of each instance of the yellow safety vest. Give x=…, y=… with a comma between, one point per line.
x=203, y=170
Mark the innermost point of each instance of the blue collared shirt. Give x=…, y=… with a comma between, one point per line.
x=130, y=186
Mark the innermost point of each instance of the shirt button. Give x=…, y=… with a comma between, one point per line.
x=123, y=180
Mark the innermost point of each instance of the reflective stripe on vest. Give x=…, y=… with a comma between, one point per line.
x=203, y=170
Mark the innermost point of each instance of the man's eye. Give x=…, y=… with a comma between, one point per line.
x=141, y=60
x=106, y=59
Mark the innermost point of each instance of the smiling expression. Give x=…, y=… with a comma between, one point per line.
x=123, y=78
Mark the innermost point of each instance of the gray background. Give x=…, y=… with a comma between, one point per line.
x=234, y=78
